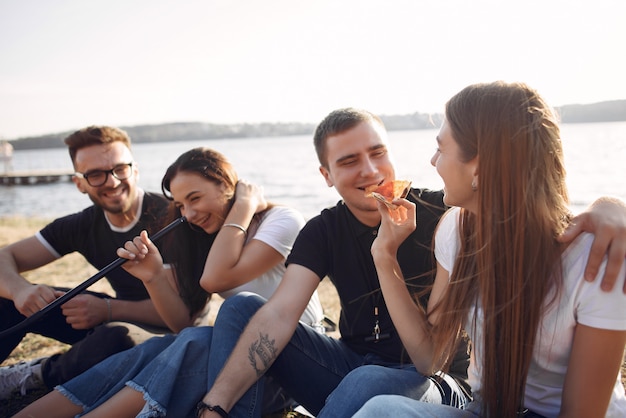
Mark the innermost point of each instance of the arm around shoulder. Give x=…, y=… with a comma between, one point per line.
x=606, y=219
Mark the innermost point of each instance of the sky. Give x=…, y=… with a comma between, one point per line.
x=66, y=64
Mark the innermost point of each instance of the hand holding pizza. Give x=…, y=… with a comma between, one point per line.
x=388, y=192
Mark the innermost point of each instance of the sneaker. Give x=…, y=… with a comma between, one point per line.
x=25, y=375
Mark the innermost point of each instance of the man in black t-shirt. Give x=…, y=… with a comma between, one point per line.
x=352, y=148
x=253, y=338
x=106, y=172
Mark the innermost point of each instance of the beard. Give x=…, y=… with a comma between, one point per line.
x=116, y=201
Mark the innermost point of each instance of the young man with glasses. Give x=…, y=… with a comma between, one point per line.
x=105, y=171
x=97, y=178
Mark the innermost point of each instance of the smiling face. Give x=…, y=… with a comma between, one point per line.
x=358, y=158
x=201, y=201
x=456, y=174
x=118, y=198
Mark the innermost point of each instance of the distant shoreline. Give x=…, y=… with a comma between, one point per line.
x=608, y=111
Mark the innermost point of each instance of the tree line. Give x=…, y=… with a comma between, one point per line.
x=608, y=111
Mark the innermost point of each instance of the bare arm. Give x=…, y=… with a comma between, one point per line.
x=143, y=311
x=408, y=318
x=165, y=305
x=230, y=263
x=24, y=255
x=274, y=323
x=606, y=219
x=592, y=371
x=86, y=311
x=82, y=311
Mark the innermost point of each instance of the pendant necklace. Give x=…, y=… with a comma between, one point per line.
x=370, y=277
x=376, y=334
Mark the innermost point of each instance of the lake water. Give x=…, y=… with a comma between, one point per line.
x=287, y=168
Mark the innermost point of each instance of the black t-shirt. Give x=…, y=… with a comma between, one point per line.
x=88, y=233
x=337, y=245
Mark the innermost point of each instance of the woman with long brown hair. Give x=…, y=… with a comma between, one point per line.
x=545, y=341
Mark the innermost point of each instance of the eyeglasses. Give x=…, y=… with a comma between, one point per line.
x=97, y=178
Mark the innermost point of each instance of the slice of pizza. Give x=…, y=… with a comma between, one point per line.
x=387, y=192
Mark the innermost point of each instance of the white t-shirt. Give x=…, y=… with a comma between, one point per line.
x=278, y=228
x=580, y=302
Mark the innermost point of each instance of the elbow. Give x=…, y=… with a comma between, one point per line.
x=424, y=368
x=205, y=284
x=424, y=362
x=179, y=325
x=176, y=329
x=216, y=283
x=211, y=284
x=209, y=281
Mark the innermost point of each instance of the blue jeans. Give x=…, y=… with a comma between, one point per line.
x=399, y=406
x=365, y=382
x=102, y=381
x=312, y=366
x=170, y=371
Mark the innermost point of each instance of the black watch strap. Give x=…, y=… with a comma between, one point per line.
x=201, y=406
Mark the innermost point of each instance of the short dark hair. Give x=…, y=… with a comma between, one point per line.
x=336, y=122
x=95, y=135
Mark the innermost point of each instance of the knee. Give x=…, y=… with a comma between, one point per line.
x=244, y=299
x=191, y=335
x=364, y=376
x=359, y=385
x=239, y=308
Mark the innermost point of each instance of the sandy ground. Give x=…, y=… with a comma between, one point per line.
x=73, y=270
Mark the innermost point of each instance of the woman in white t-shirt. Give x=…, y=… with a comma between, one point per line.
x=545, y=341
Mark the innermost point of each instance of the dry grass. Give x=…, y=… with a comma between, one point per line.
x=73, y=270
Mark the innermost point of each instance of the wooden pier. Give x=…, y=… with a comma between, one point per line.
x=16, y=178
